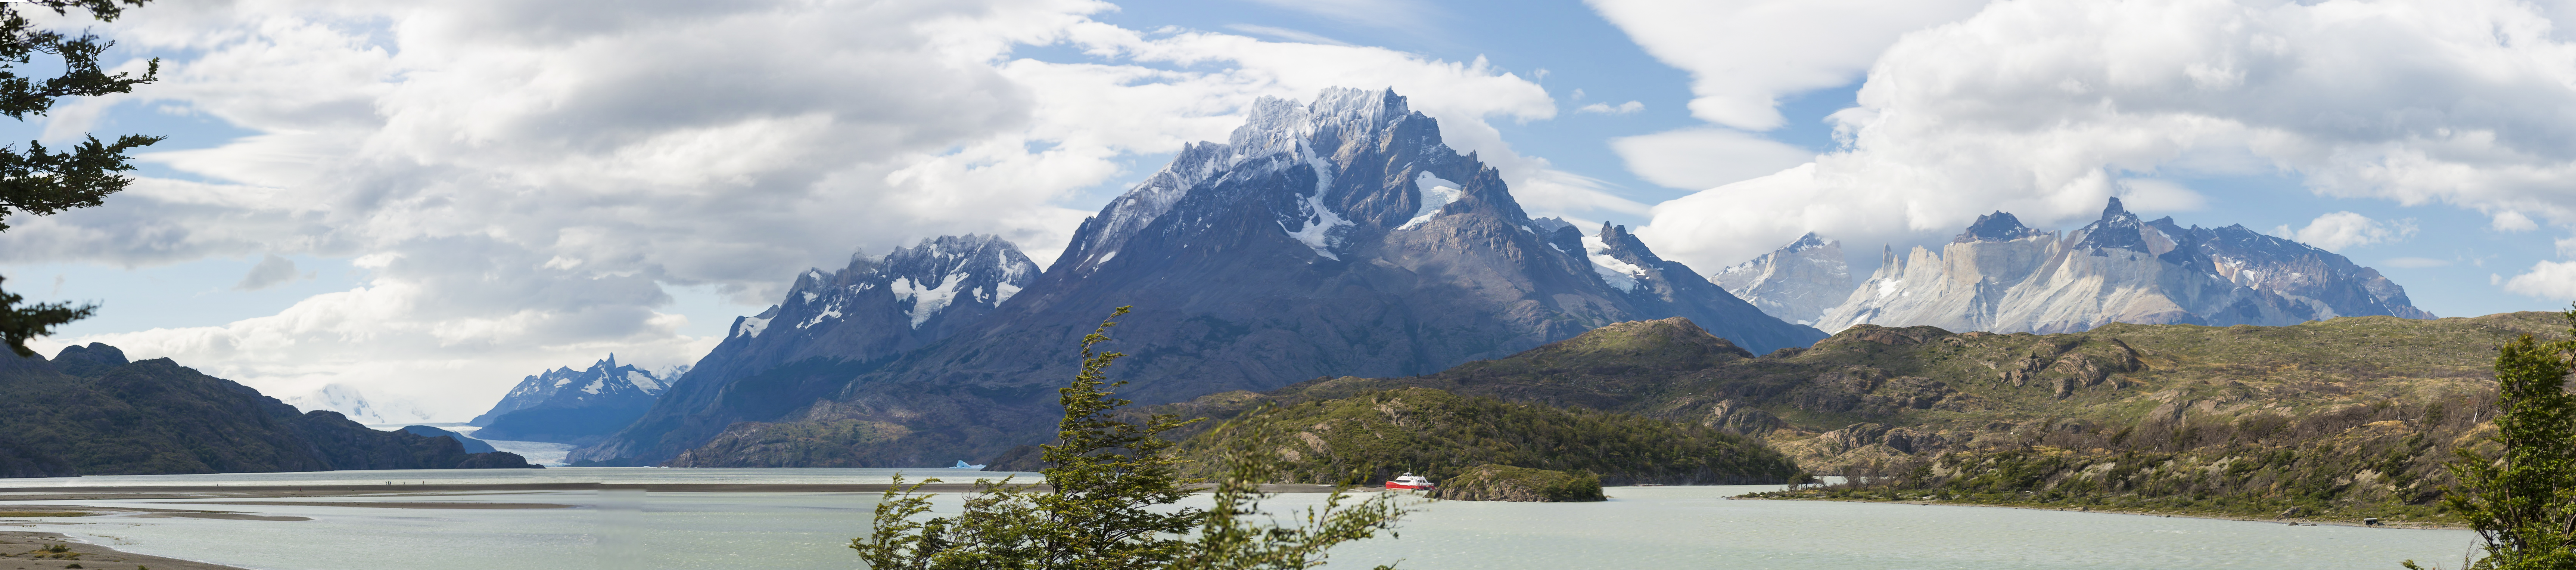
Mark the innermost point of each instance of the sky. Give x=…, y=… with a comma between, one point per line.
x=422, y=202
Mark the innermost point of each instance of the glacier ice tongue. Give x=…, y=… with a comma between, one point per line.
x=927, y=302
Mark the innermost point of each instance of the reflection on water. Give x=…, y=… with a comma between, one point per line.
x=1642, y=527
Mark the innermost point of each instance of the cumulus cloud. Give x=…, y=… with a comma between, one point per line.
x=1607, y=109
x=1705, y=157
x=2342, y=230
x=271, y=272
x=2555, y=280
x=1744, y=55
x=521, y=180
x=2041, y=107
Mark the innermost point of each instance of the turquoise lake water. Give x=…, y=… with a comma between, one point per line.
x=1641, y=527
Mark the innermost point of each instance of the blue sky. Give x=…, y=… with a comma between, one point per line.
x=475, y=191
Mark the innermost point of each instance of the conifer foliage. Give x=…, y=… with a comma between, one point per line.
x=2522, y=499
x=1106, y=478
x=39, y=181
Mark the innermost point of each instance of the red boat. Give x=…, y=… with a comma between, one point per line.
x=1409, y=482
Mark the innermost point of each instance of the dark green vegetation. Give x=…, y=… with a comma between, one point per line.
x=1508, y=483
x=1105, y=478
x=1377, y=434
x=89, y=412
x=2521, y=499
x=41, y=182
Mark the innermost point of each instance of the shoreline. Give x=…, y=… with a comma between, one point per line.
x=18, y=494
x=12, y=541
x=2223, y=517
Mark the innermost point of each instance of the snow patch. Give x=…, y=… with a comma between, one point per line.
x=926, y=302
x=644, y=381
x=1003, y=292
x=1434, y=192
x=831, y=312
x=1890, y=286
x=1620, y=274
x=751, y=326
x=809, y=296
x=1320, y=220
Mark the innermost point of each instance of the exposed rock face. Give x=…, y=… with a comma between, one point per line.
x=831, y=327
x=1797, y=283
x=2001, y=276
x=1329, y=238
x=113, y=417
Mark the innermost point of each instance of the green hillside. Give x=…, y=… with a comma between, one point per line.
x=2341, y=418
x=1376, y=435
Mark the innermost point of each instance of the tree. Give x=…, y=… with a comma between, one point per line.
x=41, y=182
x=2522, y=500
x=1105, y=479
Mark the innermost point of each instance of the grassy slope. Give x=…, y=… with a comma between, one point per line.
x=2341, y=418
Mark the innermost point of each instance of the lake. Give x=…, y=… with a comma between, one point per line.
x=1641, y=527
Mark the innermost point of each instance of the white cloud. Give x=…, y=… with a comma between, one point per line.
x=2554, y=280
x=1606, y=109
x=2152, y=195
x=2342, y=230
x=523, y=179
x=2039, y=107
x=2512, y=221
x=1301, y=36
x=1705, y=157
x=1744, y=55
x=271, y=271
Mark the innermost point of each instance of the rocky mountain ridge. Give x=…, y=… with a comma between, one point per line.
x=1338, y=236
x=568, y=406
x=2001, y=276
x=1797, y=282
x=830, y=327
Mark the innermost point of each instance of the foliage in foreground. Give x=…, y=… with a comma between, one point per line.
x=41, y=182
x=1097, y=511
x=2522, y=499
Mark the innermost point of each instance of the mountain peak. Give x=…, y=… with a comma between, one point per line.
x=1998, y=226
x=2114, y=210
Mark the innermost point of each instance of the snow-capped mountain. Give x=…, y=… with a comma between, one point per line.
x=565, y=405
x=604, y=382
x=1336, y=237
x=2001, y=276
x=1797, y=283
x=836, y=324
x=352, y=402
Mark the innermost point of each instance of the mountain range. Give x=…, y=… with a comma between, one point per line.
x=2001, y=276
x=568, y=406
x=1335, y=237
